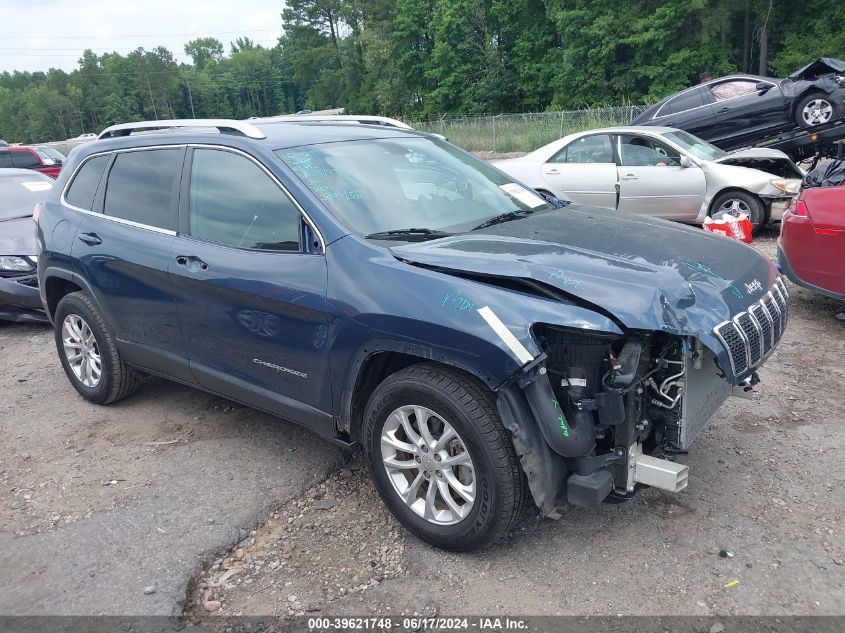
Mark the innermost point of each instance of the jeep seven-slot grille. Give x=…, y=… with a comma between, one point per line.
x=751, y=335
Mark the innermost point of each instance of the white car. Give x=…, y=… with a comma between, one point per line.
x=662, y=172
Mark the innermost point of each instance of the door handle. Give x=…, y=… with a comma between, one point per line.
x=629, y=177
x=191, y=263
x=722, y=110
x=92, y=239
x=552, y=171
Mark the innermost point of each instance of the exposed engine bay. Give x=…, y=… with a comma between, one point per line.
x=612, y=407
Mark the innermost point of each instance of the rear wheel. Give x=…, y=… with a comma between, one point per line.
x=814, y=110
x=441, y=459
x=89, y=353
x=736, y=202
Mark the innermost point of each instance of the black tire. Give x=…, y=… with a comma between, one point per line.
x=749, y=203
x=470, y=409
x=117, y=380
x=828, y=103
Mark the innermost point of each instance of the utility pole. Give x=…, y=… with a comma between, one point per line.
x=155, y=112
x=191, y=99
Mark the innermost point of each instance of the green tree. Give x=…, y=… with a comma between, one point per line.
x=204, y=50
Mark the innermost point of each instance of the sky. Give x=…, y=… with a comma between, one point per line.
x=43, y=34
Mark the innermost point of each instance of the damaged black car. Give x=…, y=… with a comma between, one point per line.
x=743, y=110
x=20, y=191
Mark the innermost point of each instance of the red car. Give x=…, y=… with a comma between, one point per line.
x=23, y=157
x=811, y=247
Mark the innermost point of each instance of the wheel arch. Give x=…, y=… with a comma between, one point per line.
x=58, y=283
x=378, y=359
x=712, y=202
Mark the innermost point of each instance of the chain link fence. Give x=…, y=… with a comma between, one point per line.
x=504, y=133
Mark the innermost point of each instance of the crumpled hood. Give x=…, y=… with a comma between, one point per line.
x=17, y=237
x=770, y=161
x=752, y=152
x=817, y=67
x=649, y=274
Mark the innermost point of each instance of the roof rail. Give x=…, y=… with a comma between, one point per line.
x=365, y=119
x=225, y=126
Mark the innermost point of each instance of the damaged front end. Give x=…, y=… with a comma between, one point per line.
x=608, y=407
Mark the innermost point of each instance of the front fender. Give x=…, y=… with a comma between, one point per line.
x=436, y=316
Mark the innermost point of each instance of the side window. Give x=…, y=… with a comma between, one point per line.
x=142, y=186
x=235, y=203
x=683, y=102
x=640, y=151
x=5, y=159
x=84, y=186
x=734, y=88
x=587, y=149
x=25, y=159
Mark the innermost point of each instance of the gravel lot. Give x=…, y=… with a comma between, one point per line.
x=99, y=505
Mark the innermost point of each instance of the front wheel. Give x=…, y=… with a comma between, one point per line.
x=736, y=202
x=441, y=459
x=814, y=110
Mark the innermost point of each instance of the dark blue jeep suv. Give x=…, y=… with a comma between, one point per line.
x=485, y=345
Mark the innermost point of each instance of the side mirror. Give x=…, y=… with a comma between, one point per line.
x=685, y=161
x=763, y=87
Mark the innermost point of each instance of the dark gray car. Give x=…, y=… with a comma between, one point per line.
x=20, y=191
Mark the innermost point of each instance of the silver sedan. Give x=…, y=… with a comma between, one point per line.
x=662, y=172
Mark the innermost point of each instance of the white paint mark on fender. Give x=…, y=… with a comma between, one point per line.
x=518, y=349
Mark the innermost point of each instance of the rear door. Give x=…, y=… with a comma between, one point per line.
x=251, y=289
x=584, y=171
x=688, y=111
x=652, y=181
x=123, y=249
x=743, y=113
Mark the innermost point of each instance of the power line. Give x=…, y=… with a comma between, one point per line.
x=113, y=35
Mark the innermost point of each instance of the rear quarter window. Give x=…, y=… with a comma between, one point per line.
x=142, y=187
x=84, y=186
x=682, y=103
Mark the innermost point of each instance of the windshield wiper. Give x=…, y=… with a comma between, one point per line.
x=408, y=235
x=503, y=217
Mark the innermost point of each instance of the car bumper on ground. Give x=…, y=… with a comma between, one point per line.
x=20, y=300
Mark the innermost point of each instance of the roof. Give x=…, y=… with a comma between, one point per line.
x=629, y=129
x=276, y=134
x=286, y=134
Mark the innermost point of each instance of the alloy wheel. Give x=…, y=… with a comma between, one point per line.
x=428, y=465
x=817, y=112
x=732, y=206
x=81, y=350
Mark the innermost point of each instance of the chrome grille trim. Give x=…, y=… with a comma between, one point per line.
x=750, y=336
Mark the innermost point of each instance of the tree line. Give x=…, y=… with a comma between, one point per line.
x=426, y=58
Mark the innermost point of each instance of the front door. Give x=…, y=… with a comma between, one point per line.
x=653, y=182
x=584, y=171
x=743, y=112
x=252, y=297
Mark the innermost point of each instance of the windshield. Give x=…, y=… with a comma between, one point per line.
x=392, y=184
x=54, y=153
x=44, y=156
x=695, y=146
x=18, y=194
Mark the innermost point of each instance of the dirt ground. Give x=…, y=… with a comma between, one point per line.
x=759, y=530
x=117, y=509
